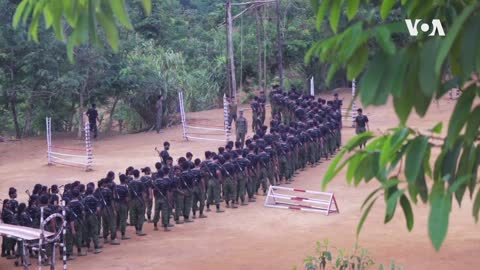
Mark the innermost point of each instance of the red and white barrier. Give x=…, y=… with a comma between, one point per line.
x=315, y=201
x=69, y=156
x=454, y=93
x=209, y=133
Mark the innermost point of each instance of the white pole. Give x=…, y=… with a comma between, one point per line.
x=40, y=241
x=64, y=243
x=225, y=118
x=312, y=87
x=354, y=106
x=49, y=139
x=88, y=148
x=182, y=115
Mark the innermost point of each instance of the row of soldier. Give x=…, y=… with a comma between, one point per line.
x=233, y=174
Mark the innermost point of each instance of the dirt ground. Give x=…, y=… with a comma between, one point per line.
x=251, y=237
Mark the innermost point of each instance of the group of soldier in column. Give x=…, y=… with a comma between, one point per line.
x=303, y=131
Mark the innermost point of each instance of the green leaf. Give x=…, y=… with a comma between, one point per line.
x=440, y=206
x=370, y=196
x=407, y=211
x=450, y=160
x=118, y=8
x=387, y=5
x=473, y=126
x=19, y=12
x=353, y=167
x=476, y=206
x=358, y=140
x=352, y=8
x=452, y=35
x=469, y=43
x=330, y=174
x=321, y=13
x=370, y=82
x=147, y=6
x=429, y=80
x=415, y=155
x=335, y=14
x=459, y=116
x=331, y=72
x=392, y=205
x=382, y=35
x=437, y=129
x=364, y=216
x=357, y=63
x=421, y=187
x=111, y=31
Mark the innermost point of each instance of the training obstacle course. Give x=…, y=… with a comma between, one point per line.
x=39, y=240
x=205, y=133
x=69, y=156
x=285, y=198
x=350, y=113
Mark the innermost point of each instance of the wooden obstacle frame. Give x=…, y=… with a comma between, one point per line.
x=311, y=201
x=205, y=133
x=69, y=156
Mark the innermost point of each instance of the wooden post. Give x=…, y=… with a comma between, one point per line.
x=231, y=57
x=279, y=43
x=259, y=47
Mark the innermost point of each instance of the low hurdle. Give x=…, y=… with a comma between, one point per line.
x=69, y=156
x=284, y=198
x=204, y=133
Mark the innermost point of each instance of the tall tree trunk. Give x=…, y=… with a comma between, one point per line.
x=112, y=112
x=72, y=116
x=231, y=58
x=259, y=47
x=13, y=107
x=279, y=43
x=27, y=129
x=265, y=38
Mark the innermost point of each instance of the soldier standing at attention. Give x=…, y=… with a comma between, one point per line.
x=75, y=232
x=159, y=113
x=361, y=124
x=164, y=155
x=199, y=189
x=255, y=111
x=242, y=129
x=108, y=214
x=137, y=193
x=161, y=186
x=262, y=100
x=92, y=211
x=146, y=179
x=121, y=203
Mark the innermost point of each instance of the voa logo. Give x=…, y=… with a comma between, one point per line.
x=435, y=28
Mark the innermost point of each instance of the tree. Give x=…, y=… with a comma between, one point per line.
x=415, y=71
x=76, y=21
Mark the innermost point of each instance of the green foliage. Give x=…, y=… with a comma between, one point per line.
x=415, y=71
x=328, y=256
x=82, y=16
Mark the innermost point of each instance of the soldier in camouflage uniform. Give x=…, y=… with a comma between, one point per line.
x=161, y=186
x=242, y=128
x=121, y=203
x=92, y=213
x=214, y=179
x=199, y=189
x=137, y=193
x=109, y=224
x=146, y=179
x=75, y=224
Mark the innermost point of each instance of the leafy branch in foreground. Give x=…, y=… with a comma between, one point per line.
x=414, y=71
x=83, y=16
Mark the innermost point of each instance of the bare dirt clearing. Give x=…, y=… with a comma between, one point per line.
x=251, y=237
